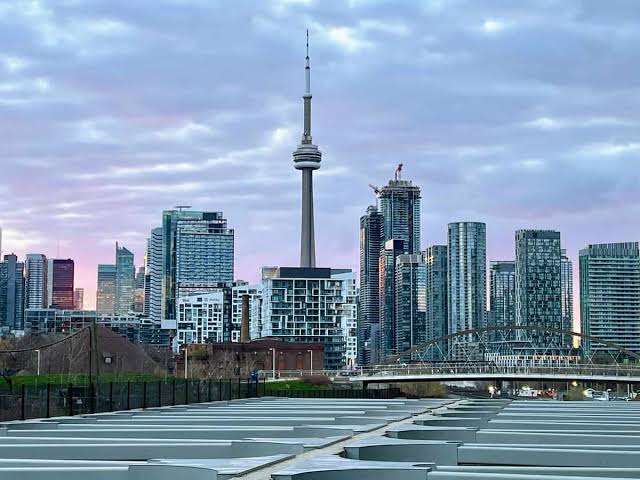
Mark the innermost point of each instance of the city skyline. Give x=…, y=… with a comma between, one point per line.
x=115, y=159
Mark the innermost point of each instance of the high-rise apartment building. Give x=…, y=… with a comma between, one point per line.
x=502, y=295
x=411, y=303
x=106, y=294
x=36, y=277
x=467, y=280
x=387, y=284
x=307, y=305
x=539, y=287
x=435, y=259
x=610, y=295
x=139, y=291
x=62, y=288
x=197, y=255
x=400, y=208
x=566, y=277
x=239, y=290
x=78, y=299
x=371, y=231
x=125, y=279
x=11, y=294
x=154, y=278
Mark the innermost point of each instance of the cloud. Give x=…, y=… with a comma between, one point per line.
x=114, y=111
x=609, y=149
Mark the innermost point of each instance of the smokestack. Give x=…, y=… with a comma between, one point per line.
x=244, y=325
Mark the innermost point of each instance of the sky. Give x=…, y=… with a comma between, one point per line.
x=518, y=114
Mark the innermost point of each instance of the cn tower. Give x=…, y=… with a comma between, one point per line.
x=307, y=158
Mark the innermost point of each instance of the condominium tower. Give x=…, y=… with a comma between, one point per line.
x=466, y=276
x=36, y=276
x=610, y=295
x=371, y=225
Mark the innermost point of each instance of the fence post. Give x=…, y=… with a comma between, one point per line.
x=239, y=388
x=48, y=414
x=210, y=391
x=159, y=393
x=186, y=391
x=220, y=389
x=128, y=394
x=144, y=394
x=198, y=386
x=111, y=396
x=173, y=393
x=23, y=407
x=248, y=388
x=230, y=390
x=70, y=398
x=92, y=398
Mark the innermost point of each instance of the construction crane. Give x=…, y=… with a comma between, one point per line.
x=375, y=189
x=399, y=171
x=182, y=207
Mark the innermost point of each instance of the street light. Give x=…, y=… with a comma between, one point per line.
x=38, y=352
x=311, y=367
x=273, y=376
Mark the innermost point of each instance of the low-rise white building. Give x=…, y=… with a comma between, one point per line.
x=200, y=318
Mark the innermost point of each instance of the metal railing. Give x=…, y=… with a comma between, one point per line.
x=448, y=370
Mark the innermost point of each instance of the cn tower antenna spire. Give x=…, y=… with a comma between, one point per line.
x=307, y=158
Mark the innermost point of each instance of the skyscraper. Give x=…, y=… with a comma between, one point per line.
x=62, y=290
x=125, y=278
x=566, y=277
x=36, y=276
x=411, y=303
x=371, y=225
x=435, y=258
x=467, y=277
x=197, y=255
x=387, y=284
x=11, y=294
x=106, y=294
x=78, y=299
x=610, y=295
x=307, y=158
x=154, y=279
x=139, y=295
x=502, y=294
x=539, y=286
x=400, y=207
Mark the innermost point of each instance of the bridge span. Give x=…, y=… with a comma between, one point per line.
x=421, y=373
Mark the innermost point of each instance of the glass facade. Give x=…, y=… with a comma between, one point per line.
x=566, y=275
x=466, y=275
x=62, y=290
x=400, y=208
x=411, y=303
x=125, y=278
x=106, y=294
x=539, y=286
x=11, y=294
x=36, y=277
x=610, y=295
x=371, y=234
x=435, y=259
x=387, y=285
x=197, y=249
x=502, y=294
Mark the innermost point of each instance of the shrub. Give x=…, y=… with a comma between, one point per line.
x=424, y=390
